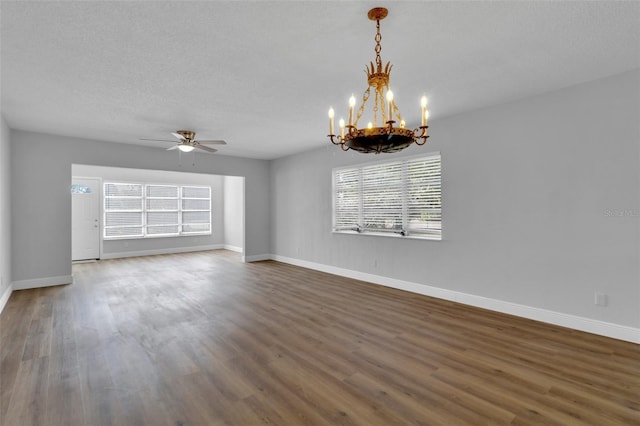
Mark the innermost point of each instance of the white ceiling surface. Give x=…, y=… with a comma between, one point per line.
x=261, y=75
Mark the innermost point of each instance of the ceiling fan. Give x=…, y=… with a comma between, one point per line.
x=187, y=142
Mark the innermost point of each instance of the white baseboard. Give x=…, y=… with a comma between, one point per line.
x=4, y=298
x=42, y=282
x=616, y=331
x=233, y=248
x=171, y=250
x=257, y=258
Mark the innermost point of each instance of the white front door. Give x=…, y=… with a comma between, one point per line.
x=85, y=218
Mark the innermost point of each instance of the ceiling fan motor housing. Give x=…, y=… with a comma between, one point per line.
x=187, y=134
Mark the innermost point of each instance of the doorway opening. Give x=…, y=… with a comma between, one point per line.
x=227, y=213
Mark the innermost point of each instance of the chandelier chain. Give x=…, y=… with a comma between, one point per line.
x=396, y=111
x=365, y=98
x=378, y=48
x=375, y=108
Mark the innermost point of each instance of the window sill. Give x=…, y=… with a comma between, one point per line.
x=148, y=237
x=392, y=235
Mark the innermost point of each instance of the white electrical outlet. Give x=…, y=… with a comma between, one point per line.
x=601, y=299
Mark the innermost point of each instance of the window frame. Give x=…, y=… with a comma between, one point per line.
x=145, y=210
x=402, y=230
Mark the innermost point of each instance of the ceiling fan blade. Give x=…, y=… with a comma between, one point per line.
x=213, y=142
x=156, y=140
x=179, y=136
x=172, y=148
x=205, y=148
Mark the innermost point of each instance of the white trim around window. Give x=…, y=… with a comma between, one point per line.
x=401, y=198
x=144, y=210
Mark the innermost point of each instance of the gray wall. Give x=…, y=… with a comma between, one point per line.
x=111, y=247
x=41, y=202
x=541, y=205
x=5, y=207
x=234, y=211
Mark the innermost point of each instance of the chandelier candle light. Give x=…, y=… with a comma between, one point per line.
x=374, y=138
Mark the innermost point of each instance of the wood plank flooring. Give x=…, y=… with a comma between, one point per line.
x=203, y=339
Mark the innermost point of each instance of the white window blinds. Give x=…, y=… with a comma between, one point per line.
x=134, y=210
x=123, y=210
x=382, y=198
x=401, y=197
x=346, y=199
x=196, y=209
x=424, y=196
x=163, y=213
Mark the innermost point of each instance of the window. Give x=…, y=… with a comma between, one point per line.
x=80, y=188
x=400, y=197
x=196, y=210
x=133, y=210
x=123, y=211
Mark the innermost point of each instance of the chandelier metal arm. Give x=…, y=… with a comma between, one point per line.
x=338, y=140
x=420, y=134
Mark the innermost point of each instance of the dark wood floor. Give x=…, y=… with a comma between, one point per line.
x=203, y=339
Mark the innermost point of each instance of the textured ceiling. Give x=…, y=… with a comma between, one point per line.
x=262, y=75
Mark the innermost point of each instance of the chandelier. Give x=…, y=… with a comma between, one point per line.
x=386, y=137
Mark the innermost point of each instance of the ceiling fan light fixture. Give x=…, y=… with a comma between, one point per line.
x=381, y=134
x=188, y=143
